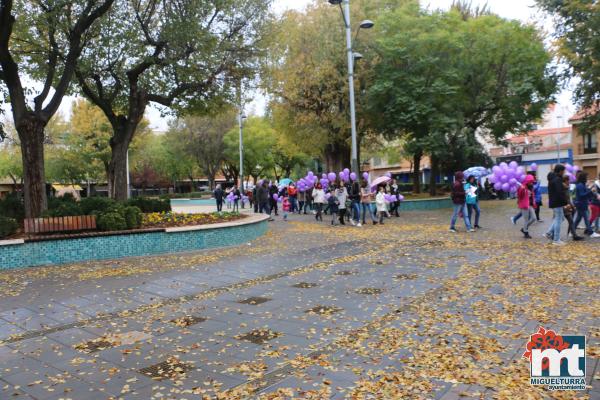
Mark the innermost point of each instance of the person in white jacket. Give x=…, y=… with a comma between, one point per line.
x=381, y=204
x=318, y=195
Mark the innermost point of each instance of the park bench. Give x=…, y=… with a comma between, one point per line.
x=60, y=224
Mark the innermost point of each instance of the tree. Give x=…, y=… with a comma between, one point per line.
x=42, y=40
x=306, y=74
x=577, y=23
x=180, y=54
x=259, y=142
x=204, y=140
x=446, y=77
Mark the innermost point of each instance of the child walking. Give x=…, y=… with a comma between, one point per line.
x=381, y=205
x=333, y=204
x=526, y=204
x=286, y=206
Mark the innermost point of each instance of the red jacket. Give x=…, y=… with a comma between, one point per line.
x=292, y=191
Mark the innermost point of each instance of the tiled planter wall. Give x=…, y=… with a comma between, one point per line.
x=26, y=254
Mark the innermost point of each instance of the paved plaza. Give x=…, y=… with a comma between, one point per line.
x=406, y=310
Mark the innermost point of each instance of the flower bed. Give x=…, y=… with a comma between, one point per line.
x=171, y=219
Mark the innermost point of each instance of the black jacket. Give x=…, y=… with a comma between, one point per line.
x=354, y=192
x=219, y=194
x=262, y=194
x=556, y=191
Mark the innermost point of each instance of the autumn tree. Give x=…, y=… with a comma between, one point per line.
x=203, y=139
x=178, y=54
x=40, y=45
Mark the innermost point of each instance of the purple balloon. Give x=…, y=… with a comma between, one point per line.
x=512, y=181
x=496, y=169
x=506, y=187
x=575, y=169
x=513, y=164
x=275, y=196
x=323, y=175
x=353, y=176
x=503, y=165
x=346, y=171
x=310, y=173
x=331, y=176
x=365, y=176
x=569, y=167
x=504, y=178
x=520, y=170
x=492, y=179
x=400, y=197
x=533, y=167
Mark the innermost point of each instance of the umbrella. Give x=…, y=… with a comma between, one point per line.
x=285, y=182
x=477, y=172
x=380, y=180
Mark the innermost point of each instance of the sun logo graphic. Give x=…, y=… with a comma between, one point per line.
x=556, y=361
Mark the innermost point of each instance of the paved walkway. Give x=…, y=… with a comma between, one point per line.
x=404, y=310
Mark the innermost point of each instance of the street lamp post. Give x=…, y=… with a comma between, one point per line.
x=241, y=122
x=558, y=120
x=351, y=57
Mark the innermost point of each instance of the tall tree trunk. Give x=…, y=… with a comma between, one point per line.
x=337, y=157
x=31, y=133
x=117, y=170
x=211, y=181
x=432, y=175
x=417, y=172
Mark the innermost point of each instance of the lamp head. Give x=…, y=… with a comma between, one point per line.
x=367, y=24
x=335, y=2
x=357, y=56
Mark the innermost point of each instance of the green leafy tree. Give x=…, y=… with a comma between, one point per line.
x=177, y=54
x=260, y=140
x=446, y=77
x=41, y=41
x=577, y=23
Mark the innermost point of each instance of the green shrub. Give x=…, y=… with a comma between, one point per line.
x=111, y=221
x=12, y=207
x=63, y=209
x=95, y=205
x=8, y=226
x=148, y=205
x=133, y=217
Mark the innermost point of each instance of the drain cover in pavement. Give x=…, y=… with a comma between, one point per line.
x=112, y=340
x=188, y=320
x=369, y=290
x=94, y=345
x=259, y=336
x=406, y=276
x=323, y=310
x=170, y=369
x=347, y=272
x=254, y=300
x=305, y=285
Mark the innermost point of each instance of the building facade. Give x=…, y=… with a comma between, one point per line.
x=585, y=147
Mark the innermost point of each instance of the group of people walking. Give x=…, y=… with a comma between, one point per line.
x=574, y=206
x=345, y=201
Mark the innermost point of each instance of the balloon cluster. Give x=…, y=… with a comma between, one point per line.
x=507, y=177
x=231, y=197
x=310, y=180
x=571, y=172
x=392, y=198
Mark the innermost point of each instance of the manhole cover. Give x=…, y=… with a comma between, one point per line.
x=188, y=320
x=259, y=336
x=305, y=285
x=369, y=290
x=254, y=300
x=94, y=345
x=323, y=310
x=170, y=369
x=406, y=276
x=346, y=272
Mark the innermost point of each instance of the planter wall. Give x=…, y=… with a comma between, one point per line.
x=19, y=253
x=426, y=204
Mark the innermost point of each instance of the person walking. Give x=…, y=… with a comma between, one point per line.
x=459, y=200
x=537, y=192
x=380, y=202
x=292, y=192
x=342, y=195
x=583, y=196
x=272, y=202
x=263, y=199
x=318, y=196
x=569, y=210
x=301, y=202
x=526, y=203
x=237, y=195
x=333, y=205
x=472, y=199
x=255, y=198
x=365, y=199
x=595, y=206
x=219, y=195
x=395, y=191
x=557, y=200
x=354, y=195
x=286, y=207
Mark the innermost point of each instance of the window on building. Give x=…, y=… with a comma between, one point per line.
x=590, y=143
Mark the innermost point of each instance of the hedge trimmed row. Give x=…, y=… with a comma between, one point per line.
x=8, y=226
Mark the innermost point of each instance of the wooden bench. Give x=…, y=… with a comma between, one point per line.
x=60, y=224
